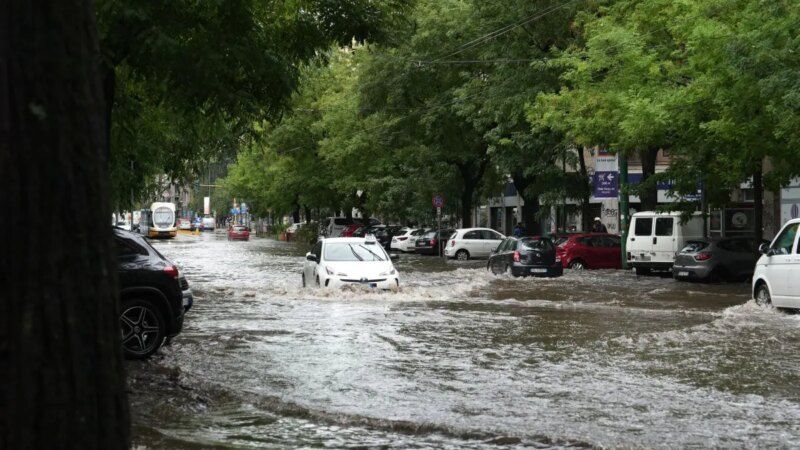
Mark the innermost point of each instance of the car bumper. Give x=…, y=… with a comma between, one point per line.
x=660, y=265
x=449, y=251
x=524, y=270
x=188, y=300
x=691, y=272
x=385, y=283
x=427, y=250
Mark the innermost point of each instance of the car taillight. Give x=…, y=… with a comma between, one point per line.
x=452, y=243
x=516, y=256
x=172, y=271
x=702, y=256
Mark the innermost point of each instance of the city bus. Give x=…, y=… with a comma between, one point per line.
x=158, y=221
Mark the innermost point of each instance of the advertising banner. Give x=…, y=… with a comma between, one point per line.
x=206, y=205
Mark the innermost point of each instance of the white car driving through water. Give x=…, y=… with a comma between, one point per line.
x=337, y=262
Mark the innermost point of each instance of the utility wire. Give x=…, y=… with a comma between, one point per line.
x=505, y=29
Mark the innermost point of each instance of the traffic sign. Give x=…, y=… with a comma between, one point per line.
x=438, y=201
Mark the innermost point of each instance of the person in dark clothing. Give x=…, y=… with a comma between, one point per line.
x=519, y=230
x=598, y=227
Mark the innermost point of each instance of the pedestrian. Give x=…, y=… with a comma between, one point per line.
x=598, y=227
x=519, y=230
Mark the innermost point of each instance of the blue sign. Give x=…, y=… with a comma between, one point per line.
x=438, y=201
x=244, y=208
x=606, y=184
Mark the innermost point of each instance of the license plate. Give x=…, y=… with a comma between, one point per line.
x=373, y=285
x=683, y=274
x=538, y=270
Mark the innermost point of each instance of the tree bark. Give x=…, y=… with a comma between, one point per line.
x=296, y=211
x=758, y=201
x=471, y=176
x=586, y=193
x=62, y=379
x=649, y=195
x=466, y=204
x=531, y=206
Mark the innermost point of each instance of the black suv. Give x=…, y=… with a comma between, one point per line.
x=153, y=296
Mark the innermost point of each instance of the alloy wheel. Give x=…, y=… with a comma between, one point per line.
x=141, y=330
x=577, y=265
x=462, y=255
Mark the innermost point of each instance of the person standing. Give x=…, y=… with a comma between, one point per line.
x=519, y=230
x=598, y=227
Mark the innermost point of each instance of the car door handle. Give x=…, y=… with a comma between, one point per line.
x=655, y=240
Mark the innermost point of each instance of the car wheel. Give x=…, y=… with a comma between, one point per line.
x=462, y=255
x=577, y=265
x=143, y=328
x=762, y=295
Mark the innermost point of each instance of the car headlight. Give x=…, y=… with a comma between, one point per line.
x=391, y=272
x=329, y=270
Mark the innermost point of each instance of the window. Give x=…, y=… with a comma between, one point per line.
x=587, y=241
x=694, y=246
x=785, y=241
x=643, y=226
x=317, y=250
x=474, y=234
x=125, y=249
x=613, y=241
x=355, y=252
x=537, y=244
x=665, y=226
x=491, y=235
x=419, y=232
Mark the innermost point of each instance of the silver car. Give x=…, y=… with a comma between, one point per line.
x=726, y=259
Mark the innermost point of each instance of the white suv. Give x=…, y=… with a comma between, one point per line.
x=405, y=240
x=468, y=243
x=776, y=280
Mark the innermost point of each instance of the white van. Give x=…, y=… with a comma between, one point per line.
x=776, y=280
x=654, y=238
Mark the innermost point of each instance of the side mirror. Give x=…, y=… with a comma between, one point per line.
x=311, y=257
x=394, y=256
x=764, y=249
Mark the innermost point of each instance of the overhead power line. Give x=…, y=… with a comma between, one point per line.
x=505, y=29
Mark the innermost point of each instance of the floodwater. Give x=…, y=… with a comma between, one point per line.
x=462, y=359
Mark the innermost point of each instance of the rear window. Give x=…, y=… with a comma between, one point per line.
x=239, y=228
x=694, y=246
x=642, y=226
x=536, y=244
x=664, y=226
x=430, y=235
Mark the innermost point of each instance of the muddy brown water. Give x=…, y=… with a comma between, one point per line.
x=462, y=359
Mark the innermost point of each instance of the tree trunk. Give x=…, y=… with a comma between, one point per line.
x=530, y=209
x=62, y=379
x=296, y=209
x=466, y=204
x=586, y=194
x=649, y=195
x=758, y=201
x=307, y=213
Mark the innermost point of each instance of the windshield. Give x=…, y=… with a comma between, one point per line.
x=355, y=252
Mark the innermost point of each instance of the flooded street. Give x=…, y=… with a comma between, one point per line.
x=460, y=358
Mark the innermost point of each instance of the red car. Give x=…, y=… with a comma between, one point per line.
x=238, y=233
x=348, y=232
x=590, y=251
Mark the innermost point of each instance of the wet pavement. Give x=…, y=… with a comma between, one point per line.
x=462, y=359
